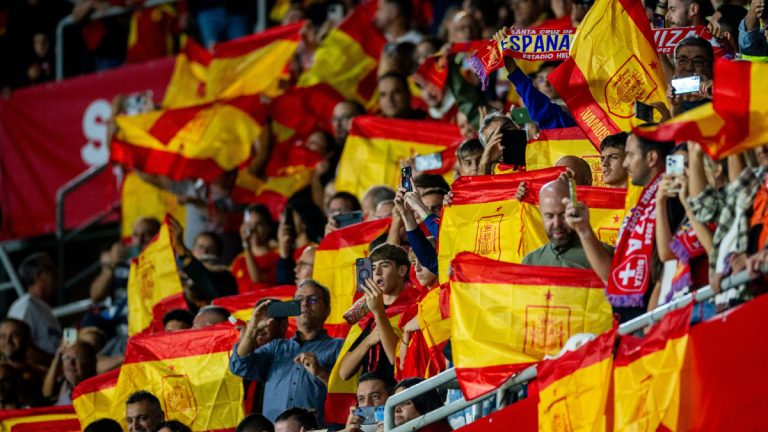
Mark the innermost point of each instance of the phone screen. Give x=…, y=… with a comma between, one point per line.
x=686, y=85
x=514, y=142
x=346, y=219
x=405, y=179
x=281, y=309
x=428, y=162
x=521, y=116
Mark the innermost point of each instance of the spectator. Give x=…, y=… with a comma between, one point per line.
x=40, y=64
x=527, y=13
x=173, y=426
x=255, y=423
x=374, y=348
x=143, y=412
x=433, y=200
x=373, y=197
x=612, y=160
x=38, y=273
x=210, y=315
x=103, y=425
x=373, y=390
x=270, y=328
x=342, y=202
x=288, y=273
x=424, y=182
x=274, y=364
x=693, y=56
x=341, y=119
x=410, y=206
x=296, y=420
x=428, y=47
x=753, y=40
x=16, y=349
x=726, y=22
x=466, y=28
x=395, y=97
x=384, y=210
x=393, y=18
x=418, y=406
x=220, y=20
x=300, y=229
x=564, y=248
x=207, y=245
x=78, y=362
x=468, y=156
x=106, y=39
x=578, y=168
x=542, y=109
x=256, y=266
x=178, y=319
x=686, y=13
x=397, y=58
x=10, y=387
x=490, y=136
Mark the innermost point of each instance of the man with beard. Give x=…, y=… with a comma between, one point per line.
x=564, y=248
x=294, y=371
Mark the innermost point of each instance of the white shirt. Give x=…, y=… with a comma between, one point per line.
x=46, y=330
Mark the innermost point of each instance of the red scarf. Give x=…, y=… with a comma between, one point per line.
x=686, y=246
x=631, y=266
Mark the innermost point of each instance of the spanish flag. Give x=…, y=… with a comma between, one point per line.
x=647, y=375
x=176, y=301
x=573, y=388
x=486, y=219
x=335, y=267
x=59, y=419
x=190, y=75
x=141, y=199
x=252, y=64
x=509, y=316
x=736, y=119
x=379, y=144
x=553, y=144
x=300, y=111
x=241, y=305
x=434, y=323
x=341, y=394
x=348, y=58
x=613, y=64
x=96, y=398
x=201, y=141
x=153, y=277
x=189, y=372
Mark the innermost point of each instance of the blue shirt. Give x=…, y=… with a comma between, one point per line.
x=287, y=384
x=752, y=43
x=548, y=115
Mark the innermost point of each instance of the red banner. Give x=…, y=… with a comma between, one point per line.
x=50, y=133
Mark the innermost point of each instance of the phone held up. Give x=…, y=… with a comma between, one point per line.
x=513, y=143
x=364, y=270
x=428, y=162
x=686, y=85
x=644, y=112
x=344, y=220
x=283, y=309
x=406, y=179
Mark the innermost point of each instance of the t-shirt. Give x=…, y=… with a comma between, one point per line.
x=267, y=265
x=46, y=330
x=571, y=255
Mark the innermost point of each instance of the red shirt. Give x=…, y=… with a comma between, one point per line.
x=267, y=265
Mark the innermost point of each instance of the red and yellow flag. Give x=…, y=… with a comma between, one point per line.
x=335, y=267
x=252, y=64
x=573, y=389
x=190, y=75
x=140, y=199
x=647, y=375
x=200, y=141
x=151, y=33
x=434, y=323
x=348, y=58
x=189, y=372
x=613, y=64
x=176, y=301
x=553, y=144
x=153, y=277
x=59, y=419
x=379, y=144
x=96, y=398
x=509, y=316
x=736, y=119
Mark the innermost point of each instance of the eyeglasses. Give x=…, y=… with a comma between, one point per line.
x=311, y=300
x=696, y=63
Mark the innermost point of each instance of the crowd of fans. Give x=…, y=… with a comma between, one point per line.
x=225, y=250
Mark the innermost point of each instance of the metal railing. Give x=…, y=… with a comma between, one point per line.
x=448, y=377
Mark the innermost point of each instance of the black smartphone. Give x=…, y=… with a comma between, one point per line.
x=282, y=309
x=405, y=179
x=363, y=271
x=513, y=142
x=644, y=112
x=347, y=219
x=288, y=218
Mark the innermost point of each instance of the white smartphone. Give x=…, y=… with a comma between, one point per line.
x=675, y=165
x=70, y=335
x=428, y=162
x=335, y=12
x=686, y=85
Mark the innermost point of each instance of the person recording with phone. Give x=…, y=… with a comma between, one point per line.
x=753, y=39
x=691, y=85
x=294, y=371
x=373, y=390
x=301, y=228
x=256, y=266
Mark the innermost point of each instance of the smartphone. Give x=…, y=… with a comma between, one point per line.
x=644, y=112
x=406, y=178
x=428, y=162
x=675, y=165
x=363, y=271
x=282, y=309
x=336, y=12
x=521, y=116
x=658, y=21
x=137, y=103
x=572, y=195
x=70, y=335
x=288, y=220
x=513, y=142
x=379, y=414
x=685, y=85
x=368, y=414
x=347, y=219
